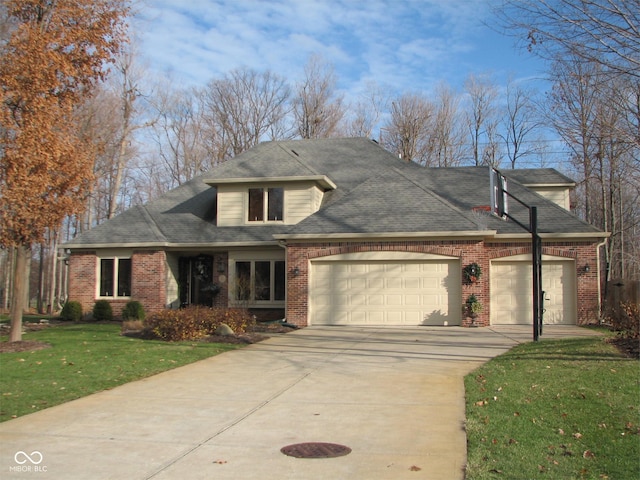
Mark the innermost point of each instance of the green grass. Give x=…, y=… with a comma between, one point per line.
x=556, y=409
x=84, y=359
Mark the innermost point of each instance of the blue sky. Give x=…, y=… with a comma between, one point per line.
x=401, y=45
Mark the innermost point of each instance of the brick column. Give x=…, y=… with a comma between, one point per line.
x=82, y=279
x=149, y=279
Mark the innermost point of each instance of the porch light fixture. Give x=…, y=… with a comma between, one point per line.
x=221, y=266
x=586, y=268
x=295, y=271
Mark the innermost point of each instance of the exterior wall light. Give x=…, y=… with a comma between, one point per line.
x=586, y=268
x=221, y=266
x=295, y=271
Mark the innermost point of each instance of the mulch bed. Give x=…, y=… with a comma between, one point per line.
x=629, y=347
x=256, y=334
x=23, y=346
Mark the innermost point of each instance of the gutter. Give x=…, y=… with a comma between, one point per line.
x=601, y=244
x=554, y=236
x=319, y=237
x=95, y=246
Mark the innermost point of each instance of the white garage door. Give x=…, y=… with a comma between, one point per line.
x=358, y=290
x=512, y=290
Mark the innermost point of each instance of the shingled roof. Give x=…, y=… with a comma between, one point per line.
x=375, y=193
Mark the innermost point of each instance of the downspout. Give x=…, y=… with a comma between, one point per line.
x=601, y=244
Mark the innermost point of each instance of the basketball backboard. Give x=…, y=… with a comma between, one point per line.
x=499, y=203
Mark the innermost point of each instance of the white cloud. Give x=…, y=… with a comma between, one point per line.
x=408, y=45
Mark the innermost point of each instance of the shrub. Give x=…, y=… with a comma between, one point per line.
x=626, y=320
x=71, y=311
x=102, y=311
x=133, y=310
x=194, y=323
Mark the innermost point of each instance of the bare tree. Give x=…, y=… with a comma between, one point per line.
x=520, y=123
x=407, y=131
x=244, y=108
x=181, y=135
x=572, y=111
x=364, y=114
x=316, y=107
x=481, y=117
x=593, y=126
x=604, y=32
x=127, y=82
x=446, y=137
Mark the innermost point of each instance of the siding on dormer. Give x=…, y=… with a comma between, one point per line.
x=301, y=199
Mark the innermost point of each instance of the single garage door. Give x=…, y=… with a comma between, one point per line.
x=403, y=289
x=512, y=290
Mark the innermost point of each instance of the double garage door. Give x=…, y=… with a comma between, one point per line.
x=416, y=289
x=512, y=291
x=395, y=289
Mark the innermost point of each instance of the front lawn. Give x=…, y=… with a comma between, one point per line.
x=556, y=409
x=84, y=359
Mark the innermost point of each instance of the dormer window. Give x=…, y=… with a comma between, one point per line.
x=265, y=203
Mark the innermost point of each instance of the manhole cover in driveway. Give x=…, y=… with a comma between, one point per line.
x=315, y=450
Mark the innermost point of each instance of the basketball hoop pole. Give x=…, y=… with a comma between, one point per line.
x=536, y=255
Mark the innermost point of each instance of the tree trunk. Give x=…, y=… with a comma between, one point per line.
x=19, y=293
x=8, y=280
x=53, y=242
x=41, y=282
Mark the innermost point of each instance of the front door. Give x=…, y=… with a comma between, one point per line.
x=196, y=281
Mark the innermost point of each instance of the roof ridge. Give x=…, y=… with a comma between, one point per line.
x=152, y=223
x=293, y=154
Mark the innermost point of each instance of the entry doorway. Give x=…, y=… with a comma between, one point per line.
x=196, y=285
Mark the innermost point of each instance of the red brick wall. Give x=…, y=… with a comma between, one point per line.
x=149, y=280
x=149, y=273
x=469, y=251
x=82, y=279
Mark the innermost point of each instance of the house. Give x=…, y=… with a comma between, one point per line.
x=340, y=231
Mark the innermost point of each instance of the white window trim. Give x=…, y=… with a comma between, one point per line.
x=265, y=206
x=115, y=257
x=255, y=303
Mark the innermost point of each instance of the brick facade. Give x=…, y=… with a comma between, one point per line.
x=469, y=251
x=149, y=277
x=148, y=282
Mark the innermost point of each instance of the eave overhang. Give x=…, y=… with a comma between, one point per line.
x=313, y=237
x=548, y=185
x=169, y=245
x=583, y=236
x=321, y=180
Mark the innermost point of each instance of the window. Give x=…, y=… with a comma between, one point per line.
x=260, y=281
x=115, y=277
x=265, y=203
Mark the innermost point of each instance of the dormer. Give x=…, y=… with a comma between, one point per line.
x=547, y=182
x=557, y=193
x=268, y=200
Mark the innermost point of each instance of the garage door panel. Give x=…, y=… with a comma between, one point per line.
x=512, y=291
x=393, y=292
x=412, y=300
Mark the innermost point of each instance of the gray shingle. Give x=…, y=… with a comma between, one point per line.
x=376, y=193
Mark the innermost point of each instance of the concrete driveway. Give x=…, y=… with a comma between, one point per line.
x=395, y=396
